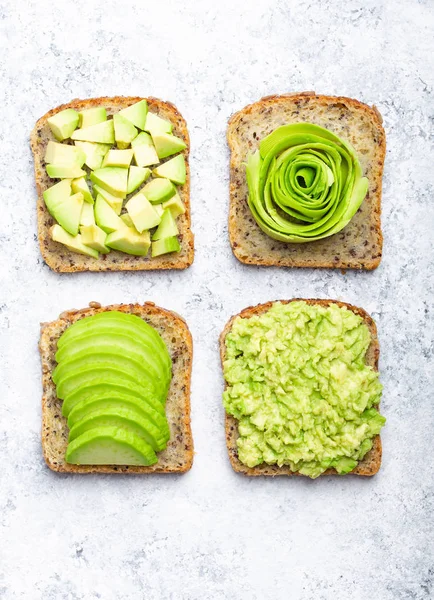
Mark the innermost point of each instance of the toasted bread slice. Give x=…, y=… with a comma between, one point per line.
x=359, y=244
x=366, y=467
x=178, y=456
x=62, y=260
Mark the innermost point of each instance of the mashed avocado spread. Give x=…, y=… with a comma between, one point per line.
x=300, y=389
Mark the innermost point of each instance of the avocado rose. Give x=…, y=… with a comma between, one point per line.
x=305, y=183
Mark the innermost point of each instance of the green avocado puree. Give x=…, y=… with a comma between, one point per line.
x=300, y=389
x=305, y=183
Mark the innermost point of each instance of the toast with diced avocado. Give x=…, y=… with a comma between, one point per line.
x=177, y=457
x=359, y=244
x=371, y=462
x=92, y=131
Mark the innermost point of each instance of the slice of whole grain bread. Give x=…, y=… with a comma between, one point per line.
x=178, y=456
x=57, y=256
x=370, y=463
x=359, y=244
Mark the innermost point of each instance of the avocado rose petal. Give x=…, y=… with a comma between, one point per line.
x=305, y=183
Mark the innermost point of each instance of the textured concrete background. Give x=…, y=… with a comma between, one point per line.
x=212, y=534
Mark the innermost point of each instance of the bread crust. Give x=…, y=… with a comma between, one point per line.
x=359, y=244
x=370, y=463
x=62, y=260
x=178, y=456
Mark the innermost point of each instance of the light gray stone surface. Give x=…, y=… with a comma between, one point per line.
x=212, y=534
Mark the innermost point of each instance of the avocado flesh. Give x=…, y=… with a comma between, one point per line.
x=136, y=176
x=109, y=446
x=80, y=186
x=63, y=123
x=136, y=113
x=64, y=154
x=117, y=321
x=173, y=169
x=175, y=205
x=159, y=190
x=94, y=153
x=118, y=158
x=92, y=116
x=122, y=345
x=155, y=124
x=112, y=179
x=73, y=243
x=105, y=217
x=56, y=194
x=102, y=133
x=142, y=212
x=112, y=391
x=125, y=132
x=94, y=237
x=165, y=246
x=129, y=241
x=114, y=202
x=122, y=418
x=64, y=171
x=167, y=228
x=87, y=217
x=145, y=155
x=133, y=369
x=167, y=144
x=68, y=212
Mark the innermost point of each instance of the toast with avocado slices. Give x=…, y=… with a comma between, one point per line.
x=370, y=463
x=96, y=161
x=146, y=425
x=292, y=222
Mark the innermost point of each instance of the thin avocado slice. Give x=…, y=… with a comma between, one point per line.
x=126, y=322
x=132, y=369
x=111, y=389
x=110, y=446
x=123, y=418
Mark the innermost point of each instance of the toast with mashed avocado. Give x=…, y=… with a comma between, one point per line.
x=302, y=389
x=112, y=195
x=305, y=182
x=116, y=387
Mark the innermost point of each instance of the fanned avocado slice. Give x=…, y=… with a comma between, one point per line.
x=121, y=417
x=123, y=322
x=117, y=344
x=110, y=446
x=127, y=366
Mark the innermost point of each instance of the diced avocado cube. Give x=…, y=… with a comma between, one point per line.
x=64, y=154
x=118, y=158
x=136, y=176
x=94, y=153
x=158, y=209
x=112, y=179
x=159, y=190
x=128, y=240
x=142, y=212
x=94, y=237
x=167, y=144
x=56, y=194
x=155, y=124
x=127, y=220
x=105, y=216
x=113, y=201
x=92, y=116
x=175, y=205
x=145, y=156
x=164, y=246
x=73, y=243
x=102, y=133
x=136, y=113
x=67, y=213
x=167, y=227
x=143, y=139
x=173, y=169
x=125, y=132
x=64, y=172
x=80, y=185
x=63, y=124
x=87, y=216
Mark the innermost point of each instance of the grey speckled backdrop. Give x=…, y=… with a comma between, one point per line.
x=212, y=534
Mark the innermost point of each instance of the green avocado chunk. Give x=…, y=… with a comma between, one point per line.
x=79, y=185
x=165, y=246
x=65, y=171
x=173, y=169
x=65, y=155
x=159, y=190
x=113, y=201
x=130, y=241
x=175, y=205
x=118, y=158
x=106, y=217
x=63, y=123
x=102, y=133
x=125, y=131
x=94, y=237
x=73, y=243
x=155, y=124
x=144, y=150
x=167, y=144
x=94, y=153
x=142, y=212
x=112, y=179
x=167, y=228
x=87, y=216
x=68, y=212
x=92, y=116
x=305, y=183
x=124, y=418
x=136, y=113
x=110, y=446
x=299, y=387
x=136, y=176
